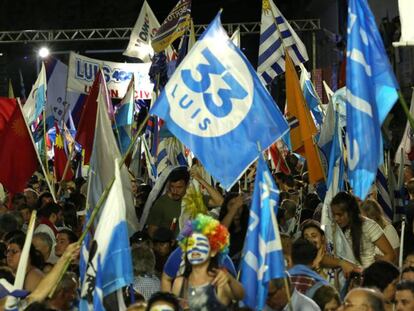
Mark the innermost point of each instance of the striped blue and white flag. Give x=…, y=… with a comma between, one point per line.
x=171, y=152
x=276, y=36
x=383, y=194
x=371, y=93
x=262, y=255
x=214, y=102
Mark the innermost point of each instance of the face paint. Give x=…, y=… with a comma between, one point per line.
x=162, y=307
x=198, y=249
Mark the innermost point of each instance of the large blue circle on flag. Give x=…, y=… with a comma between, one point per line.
x=212, y=90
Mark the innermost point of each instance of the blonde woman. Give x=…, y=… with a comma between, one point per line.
x=371, y=209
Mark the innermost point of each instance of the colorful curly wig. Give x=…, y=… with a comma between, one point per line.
x=217, y=234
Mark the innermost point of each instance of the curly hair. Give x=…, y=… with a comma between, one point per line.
x=217, y=234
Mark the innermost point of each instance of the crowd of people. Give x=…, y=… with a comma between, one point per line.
x=189, y=254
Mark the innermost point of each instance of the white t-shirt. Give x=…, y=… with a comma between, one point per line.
x=392, y=237
x=371, y=232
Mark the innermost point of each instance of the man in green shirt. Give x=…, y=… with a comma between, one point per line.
x=167, y=208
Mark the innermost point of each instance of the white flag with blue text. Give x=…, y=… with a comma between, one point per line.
x=57, y=108
x=145, y=27
x=217, y=106
x=371, y=93
x=36, y=101
x=262, y=255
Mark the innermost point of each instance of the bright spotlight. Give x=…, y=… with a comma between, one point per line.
x=44, y=52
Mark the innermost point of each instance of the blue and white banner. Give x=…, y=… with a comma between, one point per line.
x=82, y=72
x=311, y=97
x=217, y=106
x=262, y=255
x=36, y=101
x=57, y=106
x=111, y=244
x=371, y=93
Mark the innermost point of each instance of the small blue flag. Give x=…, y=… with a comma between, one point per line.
x=371, y=93
x=262, y=255
x=216, y=105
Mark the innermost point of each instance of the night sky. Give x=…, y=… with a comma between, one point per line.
x=41, y=14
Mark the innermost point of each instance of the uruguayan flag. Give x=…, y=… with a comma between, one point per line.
x=217, y=106
x=383, y=195
x=371, y=93
x=111, y=244
x=37, y=98
x=262, y=255
x=276, y=36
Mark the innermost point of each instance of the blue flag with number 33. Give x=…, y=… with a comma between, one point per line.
x=217, y=106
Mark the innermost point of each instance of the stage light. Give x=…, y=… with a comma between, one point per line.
x=43, y=52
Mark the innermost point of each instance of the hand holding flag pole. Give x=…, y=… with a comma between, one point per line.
x=102, y=199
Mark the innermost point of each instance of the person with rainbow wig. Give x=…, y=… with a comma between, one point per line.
x=202, y=285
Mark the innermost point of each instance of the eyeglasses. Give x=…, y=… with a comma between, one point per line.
x=12, y=251
x=347, y=304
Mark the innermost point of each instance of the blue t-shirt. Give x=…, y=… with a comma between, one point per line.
x=172, y=265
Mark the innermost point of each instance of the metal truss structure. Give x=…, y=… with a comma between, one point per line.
x=67, y=35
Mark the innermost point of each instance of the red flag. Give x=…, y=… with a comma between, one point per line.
x=17, y=154
x=61, y=159
x=86, y=127
x=279, y=160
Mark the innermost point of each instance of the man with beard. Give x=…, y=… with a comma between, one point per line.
x=166, y=210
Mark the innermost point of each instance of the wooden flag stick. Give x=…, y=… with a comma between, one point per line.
x=65, y=171
x=406, y=109
x=101, y=200
x=37, y=154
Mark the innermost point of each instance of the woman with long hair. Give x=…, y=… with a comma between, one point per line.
x=362, y=233
x=203, y=286
x=371, y=209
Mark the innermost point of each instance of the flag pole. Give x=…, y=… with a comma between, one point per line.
x=405, y=108
x=37, y=154
x=65, y=170
x=11, y=302
x=44, y=141
x=400, y=257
